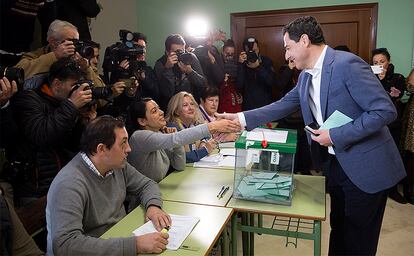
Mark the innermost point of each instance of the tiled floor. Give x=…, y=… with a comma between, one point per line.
x=397, y=235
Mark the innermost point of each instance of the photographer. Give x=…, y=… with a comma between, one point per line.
x=178, y=71
x=92, y=60
x=51, y=119
x=125, y=63
x=230, y=98
x=255, y=76
x=40, y=60
x=210, y=59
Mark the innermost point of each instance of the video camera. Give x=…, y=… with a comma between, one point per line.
x=124, y=50
x=84, y=48
x=251, y=54
x=12, y=73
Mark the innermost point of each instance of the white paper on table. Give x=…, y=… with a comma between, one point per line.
x=228, y=151
x=227, y=161
x=227, y=144
x=181, y=227
x=268, y=135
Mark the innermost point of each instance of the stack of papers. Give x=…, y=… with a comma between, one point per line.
x=259, y=134
x=180, y=229
x=265, y=185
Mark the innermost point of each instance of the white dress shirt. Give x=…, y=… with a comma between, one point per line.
x=314, y=94
x=315, y=91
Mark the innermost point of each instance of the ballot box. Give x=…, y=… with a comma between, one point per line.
x=264, y=165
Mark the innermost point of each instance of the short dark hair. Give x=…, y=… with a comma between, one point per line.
x=383, y=51
x=342, y=48
x=229, y=43
x=100, y=130
x=210, y=91
x=66, y=68
x=173, y=39
x=305, y=25
x=139, y=36
x=93, y=44
x=137, y=109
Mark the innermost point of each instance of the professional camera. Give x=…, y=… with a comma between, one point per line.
x=12, y=73
x=251, y=54
x=97, y=92
x=83, y=48
x=184, y=57
x=124, y=50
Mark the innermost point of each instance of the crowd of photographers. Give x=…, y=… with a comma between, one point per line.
x=49, y=96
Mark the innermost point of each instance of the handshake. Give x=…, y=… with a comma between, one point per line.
x=225, y=123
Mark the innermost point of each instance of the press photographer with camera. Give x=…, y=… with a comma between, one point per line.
x=178, y=71
x=255, y=75
x=210, y=58
x=125, y=62
x=39, y=61
x=50, y=120
x=230, y=97
x=89, y=51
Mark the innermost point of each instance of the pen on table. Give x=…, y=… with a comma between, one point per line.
x=165, y=229
x=190, y=248
x=221, y=190
x=224, y=191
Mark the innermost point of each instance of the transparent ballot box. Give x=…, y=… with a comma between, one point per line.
x=264, y=165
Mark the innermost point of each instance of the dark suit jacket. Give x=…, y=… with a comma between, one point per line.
x=363, y=147
x=76, y=12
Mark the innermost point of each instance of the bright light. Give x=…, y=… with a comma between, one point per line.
x=197, y=26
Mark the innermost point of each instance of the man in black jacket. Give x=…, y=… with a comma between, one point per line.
x=146, y=84
x=51, y=119
x=255, y=76
x=77, y=13
x=178, y=71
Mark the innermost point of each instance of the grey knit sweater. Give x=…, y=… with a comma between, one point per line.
x=81, y=206
x=153, y=152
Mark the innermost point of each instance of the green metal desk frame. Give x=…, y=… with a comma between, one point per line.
x=308, y=205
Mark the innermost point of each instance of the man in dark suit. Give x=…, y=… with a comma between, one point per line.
x=361, y=159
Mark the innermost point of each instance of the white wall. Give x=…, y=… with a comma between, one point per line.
x=115, y=15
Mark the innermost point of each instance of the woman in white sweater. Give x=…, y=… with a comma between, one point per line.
x=156, y=149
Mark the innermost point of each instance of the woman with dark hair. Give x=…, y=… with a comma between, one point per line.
x=156, y=149
x=394, y=84
x=209, y=103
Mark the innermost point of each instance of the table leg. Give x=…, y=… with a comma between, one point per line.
x=225, y=246
x=317, y=229
x=245, y=235
x=251, y=224
x=234, y=234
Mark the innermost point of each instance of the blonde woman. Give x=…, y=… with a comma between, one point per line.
x=183, y=112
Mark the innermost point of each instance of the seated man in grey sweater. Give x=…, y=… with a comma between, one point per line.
x=157, y=149
x=86, y=197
